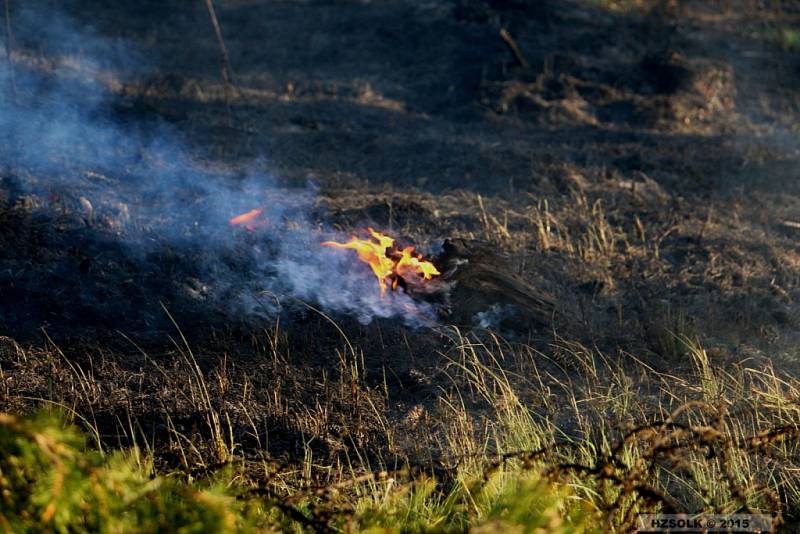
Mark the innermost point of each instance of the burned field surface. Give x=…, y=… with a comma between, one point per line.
x=344, y=249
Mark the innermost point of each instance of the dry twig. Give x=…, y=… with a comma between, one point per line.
x=514, y=47
x=11, y=78
x=227, y=76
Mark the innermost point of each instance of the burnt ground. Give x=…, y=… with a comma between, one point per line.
x=635, y=169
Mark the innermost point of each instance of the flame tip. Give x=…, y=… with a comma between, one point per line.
x=246, y=219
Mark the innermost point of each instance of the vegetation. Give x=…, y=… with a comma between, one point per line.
x=714, y=441
x=788, y=38
x=607, y=187
x=52, y=482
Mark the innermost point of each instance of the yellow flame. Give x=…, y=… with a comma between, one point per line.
x=387, y=264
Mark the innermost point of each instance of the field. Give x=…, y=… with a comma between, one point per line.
x=607, y=193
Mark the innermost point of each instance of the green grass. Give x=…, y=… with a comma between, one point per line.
x=787, y=38
x=521, y=452
x=50, y=480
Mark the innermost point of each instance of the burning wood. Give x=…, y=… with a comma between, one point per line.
x=390, y=265
x=486, y=290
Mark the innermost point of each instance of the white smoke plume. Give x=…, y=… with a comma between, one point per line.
x=143, y=187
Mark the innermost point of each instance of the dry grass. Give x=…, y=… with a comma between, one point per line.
x=616, y=436
x=329, y=426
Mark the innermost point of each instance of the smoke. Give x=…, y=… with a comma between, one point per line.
x=143, y=192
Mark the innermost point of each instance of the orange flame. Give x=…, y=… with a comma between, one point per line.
x=248, y=219
x=388, y=264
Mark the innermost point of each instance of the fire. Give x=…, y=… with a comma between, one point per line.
x=388, y=264
x=248, y=219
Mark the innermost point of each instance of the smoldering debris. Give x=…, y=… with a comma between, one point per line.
x=113, y=215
